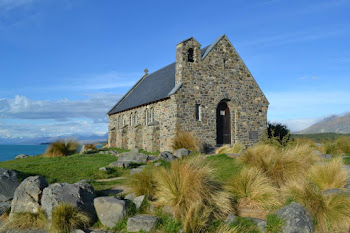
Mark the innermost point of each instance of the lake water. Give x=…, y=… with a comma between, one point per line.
x=8, y=152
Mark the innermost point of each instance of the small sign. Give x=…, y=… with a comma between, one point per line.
x=222, y=112
x=253, y=135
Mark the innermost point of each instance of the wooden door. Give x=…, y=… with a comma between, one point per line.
x=223, y=124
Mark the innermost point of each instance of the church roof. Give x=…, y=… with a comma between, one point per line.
x=154, y=87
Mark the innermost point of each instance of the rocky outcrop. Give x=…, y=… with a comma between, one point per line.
x=121, y=164
x=138, y=201
x=181, y=153
x=166, y=156
x=27, y=197
x=133, y=156
x=296, y=219
x=141, y=223
x=79, y=194
x=21, y=156
x=8, y=184
x=110, y=210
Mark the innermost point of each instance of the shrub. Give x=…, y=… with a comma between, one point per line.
x=253, y=189
x=330, y=212
x=279, y=165
x=329, y=175
x=90, y=147
x=185, y=140
x=343, y=144
x=189, y=181
x=226, y=149
x=66, y=217
x=143, y=183
x=196, y=218
x=278, y=132
x=331, y=148
x=61, y=148
x=22, y=221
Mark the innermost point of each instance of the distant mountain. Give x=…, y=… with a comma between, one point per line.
x=83, y=139
x=332, y=124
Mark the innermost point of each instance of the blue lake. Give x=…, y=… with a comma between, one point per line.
x=8, y=152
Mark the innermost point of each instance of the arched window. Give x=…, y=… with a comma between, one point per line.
x=123, y=121
x=152, y=115
x=131, y=120
x=190, y=55
x=135, y=118
x=146, y=116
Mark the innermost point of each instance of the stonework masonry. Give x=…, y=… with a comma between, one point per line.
x=212, y=78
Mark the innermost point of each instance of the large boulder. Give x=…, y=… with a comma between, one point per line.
x=80, y=194
x=141, y=223
x=181, y=153
x=166, y=156
x=27, y=196
x=21, y=156
x=296, y=219
x=8, y=184
x=133, y=156
x=110, y=210
x=4, y=206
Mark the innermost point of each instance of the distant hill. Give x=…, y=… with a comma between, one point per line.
x=332, y=124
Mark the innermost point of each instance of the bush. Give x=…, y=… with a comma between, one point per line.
x=343, y=144
x=66, y=217
x=278, y=132
x=253, y=189
x=143, y=183
x=197, y=217
x=226, y=149
x=329, y=175
x=185, y=140
x=90, y=147
x=61, y=148
x=187, y=182
x=23, y=221
x=330, y=212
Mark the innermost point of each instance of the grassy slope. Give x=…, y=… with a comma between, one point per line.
x=319, y=137
x=225, y=167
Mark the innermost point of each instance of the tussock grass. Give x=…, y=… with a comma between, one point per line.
x=61, y=148
x=186, y=140
x=23, y=221
x=253, y=189
x=223, y=228
x=280, y=165
x=144, y=182
x=343, y=144
x=190, y=181
x=329, y=175
x=90, y=147
x=330, y=212
x=237, y=148
x=66, y=217
x=196, y=218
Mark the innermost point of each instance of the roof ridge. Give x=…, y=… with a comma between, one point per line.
x=211, y=46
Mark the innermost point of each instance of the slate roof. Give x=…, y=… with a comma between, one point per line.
x=154, y=87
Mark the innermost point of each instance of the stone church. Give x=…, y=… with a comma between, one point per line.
x=208, y=91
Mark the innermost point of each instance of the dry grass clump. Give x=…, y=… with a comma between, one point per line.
x=329, y=175
x=303, y=141
x=253, y=189
x=343, y=144
x=280, y=165
x=61, y=148
x=237, y=148
x=188, y=184
x=185, y=140
x=23, y=221
x=66, y=218
x=143, y=183
x=90, y=147
x=331, y=212
x=197, y=217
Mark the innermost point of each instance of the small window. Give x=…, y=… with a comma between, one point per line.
x=152, y=115
x=190, y=55
x=131, y=120
x=135, y=118
x=146, y=116
x=198, y=112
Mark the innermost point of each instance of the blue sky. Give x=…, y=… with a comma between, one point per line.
x=63, y=64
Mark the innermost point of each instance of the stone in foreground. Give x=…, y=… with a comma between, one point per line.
x=296, y=219
x=27, y=196
x=181, y=153
x=133, y=156
x=21, y=156
x=121, y=164
x=8, y=184
x=166, y=156
x=80, y=194
x=110, y=210
x=141, y=223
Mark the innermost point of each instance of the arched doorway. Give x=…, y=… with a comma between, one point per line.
x=223, y=123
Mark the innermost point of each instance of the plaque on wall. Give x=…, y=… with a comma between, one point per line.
x=253, y=135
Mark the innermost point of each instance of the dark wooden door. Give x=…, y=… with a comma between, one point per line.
x=223, y=124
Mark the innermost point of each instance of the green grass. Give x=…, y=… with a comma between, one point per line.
x=225, y=167
x=320, y=137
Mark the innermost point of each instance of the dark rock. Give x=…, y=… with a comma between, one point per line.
x=141, y=223
x=8, y=184
x=81, y=195
x=166, y=156
x=110, y=210
x=105, y=169
x=4, y=206
x=27, y=197
x=181, y=153
x=21, y=156
x=296, y=219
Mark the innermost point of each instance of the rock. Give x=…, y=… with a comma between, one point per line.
x=122, y=164
x=157, y=164
x=317, y=152
x=130, y=196
x=4, y=206
x=110, y=210
x=8, y=184
x=332, y=191
x=135, y=170
x=84, y=181
x=138, y=201
x=135, y=150
x=78, y=231
x=180, y=153
x=261, y=224
x=296, y=218
x=113, y=152
x=346, y=168
x=21, y=156
x=347, y=186
x=105, y=169
x=234, y=156
x=79, y=194
x=168, y=210
x=326, y=156
x=141, y=223
x=102, y=152
x=27, y=196
x=231, y=219
x=133, y=156
x=166, y=156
